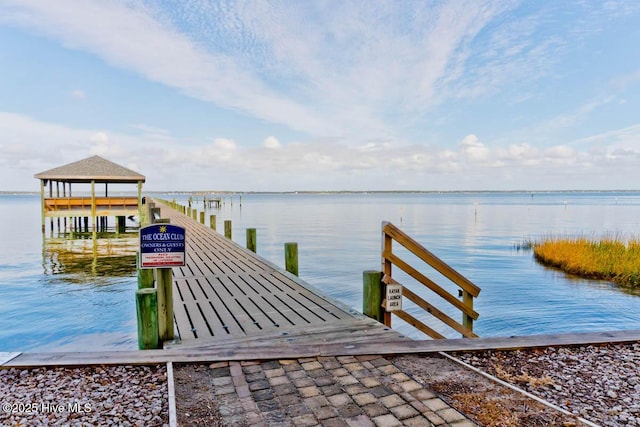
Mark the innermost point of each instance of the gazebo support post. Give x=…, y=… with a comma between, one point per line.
x=93, y=207
x=42, y=184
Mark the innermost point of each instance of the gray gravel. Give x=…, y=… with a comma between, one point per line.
x=599, y=383
x=87, y=396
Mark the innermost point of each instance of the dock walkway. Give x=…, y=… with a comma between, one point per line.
x=226, y=293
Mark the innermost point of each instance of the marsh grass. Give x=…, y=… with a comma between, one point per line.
x=609, y=258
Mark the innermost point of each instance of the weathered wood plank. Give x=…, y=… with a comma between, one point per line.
x=188, y=291
x=6, y=356
x=418, y=324
x=282, y=349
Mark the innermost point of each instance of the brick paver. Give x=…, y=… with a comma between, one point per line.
x=327, y=391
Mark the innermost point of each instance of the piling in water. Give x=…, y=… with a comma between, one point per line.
x=291, y=257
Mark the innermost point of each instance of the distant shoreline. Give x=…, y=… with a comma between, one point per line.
x=228, y=192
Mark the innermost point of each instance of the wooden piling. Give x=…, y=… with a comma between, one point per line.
x=251, y=239
x=227, y=228
x=212, y=222
x=164, y=284
x=145, y=275
x=202, y=217
x=122, y=224
x=372, y=295
x=164, y=279
x=147, y=314
x=291, y=257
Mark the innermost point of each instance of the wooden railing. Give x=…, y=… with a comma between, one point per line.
x=468, y=291
x=69, y=203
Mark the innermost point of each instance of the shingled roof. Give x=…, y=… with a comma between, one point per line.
x=93, y=168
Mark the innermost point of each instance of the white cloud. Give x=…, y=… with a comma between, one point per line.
x=30, y=146
x=100, y=142
x=329, y=69
x=272, y=143
x=474, y=150
x=560, y=152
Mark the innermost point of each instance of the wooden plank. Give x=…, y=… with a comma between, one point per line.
x=6, y=356
x=316, y=334
x=171, y=396
x=186, y=331
x=188, y=291
x=418, y=324
x=229, y=309
x=282, y=349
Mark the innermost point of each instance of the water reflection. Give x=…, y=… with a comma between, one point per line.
x=575, y=280
x=104, y=256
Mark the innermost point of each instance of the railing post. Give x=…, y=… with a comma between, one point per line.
x=387, y=244
x=202, y=217
x=251, y=239
x=467, y=321
x=212, y=222
x=154, y=211
x=291, y=257
x=372, y=295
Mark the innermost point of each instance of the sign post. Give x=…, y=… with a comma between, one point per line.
x=162, y=246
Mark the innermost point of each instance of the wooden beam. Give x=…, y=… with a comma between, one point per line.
x=282, y=349
x=418, y=325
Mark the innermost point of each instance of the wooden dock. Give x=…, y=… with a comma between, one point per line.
x=226, y=292
x=230, y=304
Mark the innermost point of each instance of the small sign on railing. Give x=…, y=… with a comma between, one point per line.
x=162, y=246
x=394, y=297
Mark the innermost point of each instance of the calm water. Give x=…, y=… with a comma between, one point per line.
x=62, y=295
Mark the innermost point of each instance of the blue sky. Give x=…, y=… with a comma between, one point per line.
x=325, y=95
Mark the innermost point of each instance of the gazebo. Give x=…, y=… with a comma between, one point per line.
x=92, y=170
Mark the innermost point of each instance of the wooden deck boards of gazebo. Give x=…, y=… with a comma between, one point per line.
x=225, y=292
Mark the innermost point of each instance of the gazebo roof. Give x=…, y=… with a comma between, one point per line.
x=93, y=168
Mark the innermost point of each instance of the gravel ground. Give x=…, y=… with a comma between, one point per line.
x=486, y=402
x=88, y=396
x=600, y=383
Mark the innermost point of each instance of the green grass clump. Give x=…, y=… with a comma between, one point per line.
x=609, y=258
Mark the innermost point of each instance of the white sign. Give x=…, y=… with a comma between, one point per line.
x=394, y=297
